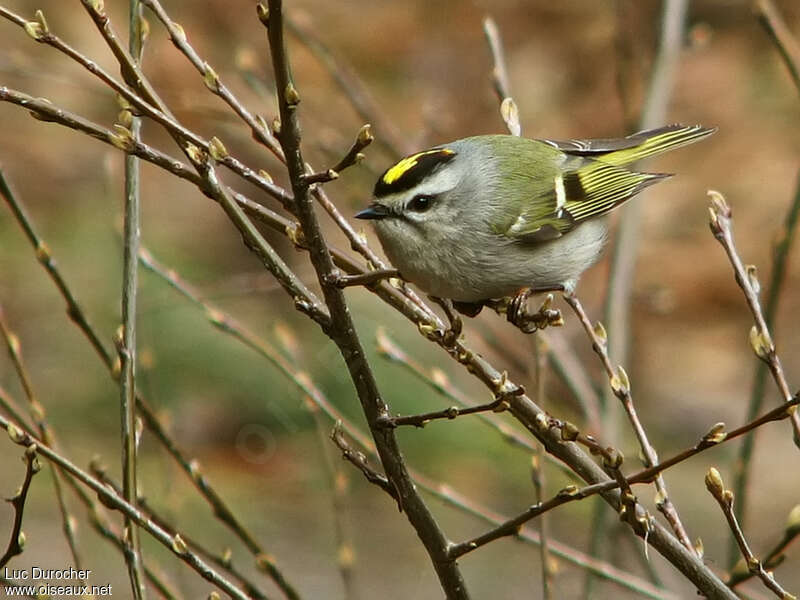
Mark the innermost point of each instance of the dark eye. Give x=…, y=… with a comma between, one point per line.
x=420, y=203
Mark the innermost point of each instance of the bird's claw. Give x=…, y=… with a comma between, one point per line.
x=451, y=335
x=518, y=314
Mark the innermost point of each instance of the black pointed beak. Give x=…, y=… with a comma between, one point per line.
x=373, y=211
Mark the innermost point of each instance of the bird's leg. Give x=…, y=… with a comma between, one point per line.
x=451, y=335
x=518, y=315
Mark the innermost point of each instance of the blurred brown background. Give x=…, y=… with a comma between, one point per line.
x=578, y=69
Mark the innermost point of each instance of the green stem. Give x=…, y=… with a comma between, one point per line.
x=127, y=341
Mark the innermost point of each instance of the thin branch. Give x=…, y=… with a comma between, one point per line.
x=438, y=381
x=342, y=330
x=500, y=81
x=345, y=550
x=725, y=498
x=785, y=42
x=224, y=561
x=714, y=437
x=16, y=542
x=773, y=558
x=178, y=37
x=229, y=325
x=153, y=107
x=620, y=386
x=760, y=336
x=359, y=461
x=11, y=408
x=189, y=466
x=126, y=339
x=537, y=469
x=113, y=500
x=780, y=254
x=38, y=414
x=351, y=85
x=449, y=413
x=353, y=155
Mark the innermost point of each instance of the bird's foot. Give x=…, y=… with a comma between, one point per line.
x=518, y=314
x=451, y=335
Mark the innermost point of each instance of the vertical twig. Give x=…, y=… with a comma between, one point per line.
x=620, y=386
x=725, y=498
x=500, y=81
x=788, y=47
x=760, y=336
x=126, y=339
x=341, y=328
x=221, y=510
x=17, y=540
x=540, y=362
x=780, y=33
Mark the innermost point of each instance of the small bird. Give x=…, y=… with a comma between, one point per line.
x=486, y=217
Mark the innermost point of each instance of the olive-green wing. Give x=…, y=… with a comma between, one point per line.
x=592, y=180
x=587, y=191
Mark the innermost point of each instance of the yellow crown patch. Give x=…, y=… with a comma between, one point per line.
x=409, y=162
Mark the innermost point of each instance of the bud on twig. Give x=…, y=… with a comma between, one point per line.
x=714, y=483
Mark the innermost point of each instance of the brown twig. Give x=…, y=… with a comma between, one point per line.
x=714, y=437
x=152, y=107
x=113, y=500
x=304, y=384
x=775, y=556
x=620, y=386
x=724, y=498
x=500, y=81
x=16, y=542
x=780, y=254
x=345, y=554
x=449, y=413
x=224, y=560
x=189, y=466
x=437, y=380
x=342, y=330
x=359, y=461
x=38, y=415
x=760, y=337
x=178, y=37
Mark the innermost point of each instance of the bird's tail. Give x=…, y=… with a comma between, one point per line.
x=656, y=141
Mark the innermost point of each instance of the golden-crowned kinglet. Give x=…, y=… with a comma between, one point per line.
x=484, y=217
